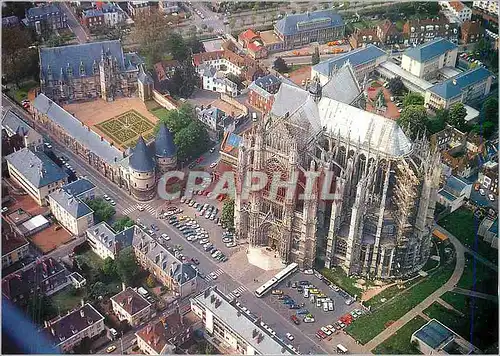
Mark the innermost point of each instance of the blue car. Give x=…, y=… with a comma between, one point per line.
x=288, y=301
x=293, y=306
x=302, y=312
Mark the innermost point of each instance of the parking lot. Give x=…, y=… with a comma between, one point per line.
x=321, y=318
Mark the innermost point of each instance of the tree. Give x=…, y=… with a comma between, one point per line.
x=40, y=308
x=184, y=81
x=315, y=56
x=489, y=110
x=109, y=269
x=191, y=140
x=396, y=86
x=103, y=211
x=152, y=32
x=126, y=266
x=194, y=43
x=457, y=116
x=123, y=223
x=98, y=289
x=84, y=347
x=280, y=65
x=235, y=79
x=413, y=99
x=227, y=214
x=485, y=129
x=18, y=60
x=413, y=120
x=150, y=281
x=437, y=123
x=14, y=8
x=178, y=47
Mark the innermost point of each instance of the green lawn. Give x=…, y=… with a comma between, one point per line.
x=337, y=276
x=480, y=321
x=22, y=93
x=486, y=279
x=463, y=224
x=389, y=293
x=367, y=327
x=68, y=299
x=399, y=343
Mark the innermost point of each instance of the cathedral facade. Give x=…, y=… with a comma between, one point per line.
x=376, y=220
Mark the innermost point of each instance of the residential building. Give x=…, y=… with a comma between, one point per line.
x=217, y=81
x=46, y=277
x=77, y=280
x=389, y=34
x=261, y=92
x=228, y=61
x=436, y=338
x=36, y=173
x=472, y=31
x=105, y=242
x=363, y=37
x=454, y=193
x=88, y=71
x=420, y=31
x=217, y=121
x=139, y=8
x=488, y=229
x=15, y=247
x=68, y=331
x=71, y=212
x=457, y=9
x=364, y=61
x=231, y=328
x=82, y=188
x=330, y=115
x=163, y=72
x=298, y=30
x=113, y=14
x=229, y=152
x=168, y=7
x=425, y=60
x=47, y=17
x=488, y=177
x=178, y=277
x=464, y=87
x=92, y=18
x=255, y=46
x=448, y=138
x=131, y=306
x=18, y=131
x=490, y=6
x=10, y=21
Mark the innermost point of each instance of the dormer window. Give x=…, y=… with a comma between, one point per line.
x=82, y=69
x=69, y=71
x=49, y=70
x=95, y=67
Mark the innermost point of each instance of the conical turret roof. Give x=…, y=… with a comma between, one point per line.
x=164, y=143
x=141, y=161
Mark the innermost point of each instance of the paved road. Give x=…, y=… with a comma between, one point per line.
x=226, y=280
x=74, y=24
x=211, y=19
x=475, y=294
x=448, y=286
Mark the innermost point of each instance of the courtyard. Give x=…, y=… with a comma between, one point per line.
x=120, y=121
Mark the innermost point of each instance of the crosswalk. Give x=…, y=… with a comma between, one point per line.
x=239, y=290
x=150, y=209
x=217, y=273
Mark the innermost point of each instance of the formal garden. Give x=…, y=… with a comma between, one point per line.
x=124, y=129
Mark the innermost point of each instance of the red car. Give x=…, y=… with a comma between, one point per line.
x=295, y=320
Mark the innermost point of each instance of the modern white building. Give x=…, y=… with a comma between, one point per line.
x=71, y=212
x=36, y=173
x=216, y=80
x=425, y=60
x=107, y=243
x=233, y=330
x=464, y=87
x=457, y=9
x=69, y=330
x=454, y=193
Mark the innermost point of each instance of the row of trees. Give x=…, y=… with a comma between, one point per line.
x=103, y=211
x=227, y=213
x=190, y=135
x=19, y=61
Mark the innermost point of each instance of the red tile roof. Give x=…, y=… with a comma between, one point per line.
x=248, y=35
x=159, y=334
x=457, y=5
x=131, y=301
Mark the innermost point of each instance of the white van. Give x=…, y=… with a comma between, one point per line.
x=325, y=306
x=306, y=292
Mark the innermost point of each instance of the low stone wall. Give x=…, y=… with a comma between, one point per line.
x=164, y=101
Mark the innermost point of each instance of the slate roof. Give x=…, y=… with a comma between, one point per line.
x=13, y=124
x=455, y=85
x=293, y=24
x=263, y=342
x=434, y=334
x=355, y=57
x=131, y=301
x=85, y=136
x=144, y=77
x=36, y=167
x=10, y=21
x=103, y=233
x=180, y=272
x=78, y=187
x=74, y=206
x=343, y=85
x=447, y=195
x=43, y=10
x=73, y=323
x=87, y=54
x=140, y=159
x=455, y=184
x=164, y=142
x=430, y=50
x=267, y=81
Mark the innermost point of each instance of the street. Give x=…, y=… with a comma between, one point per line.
x=226, y=280
x=73, y=24
x=211, y=19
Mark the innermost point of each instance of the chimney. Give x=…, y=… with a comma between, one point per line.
x=82, y=302
x=212, y=299
x=148, y=329
x=53, y=331
x=129, y=300
x=123, y=287
x=254, y=333
x=46, y=323
x=454, y=82
x=82, y=313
